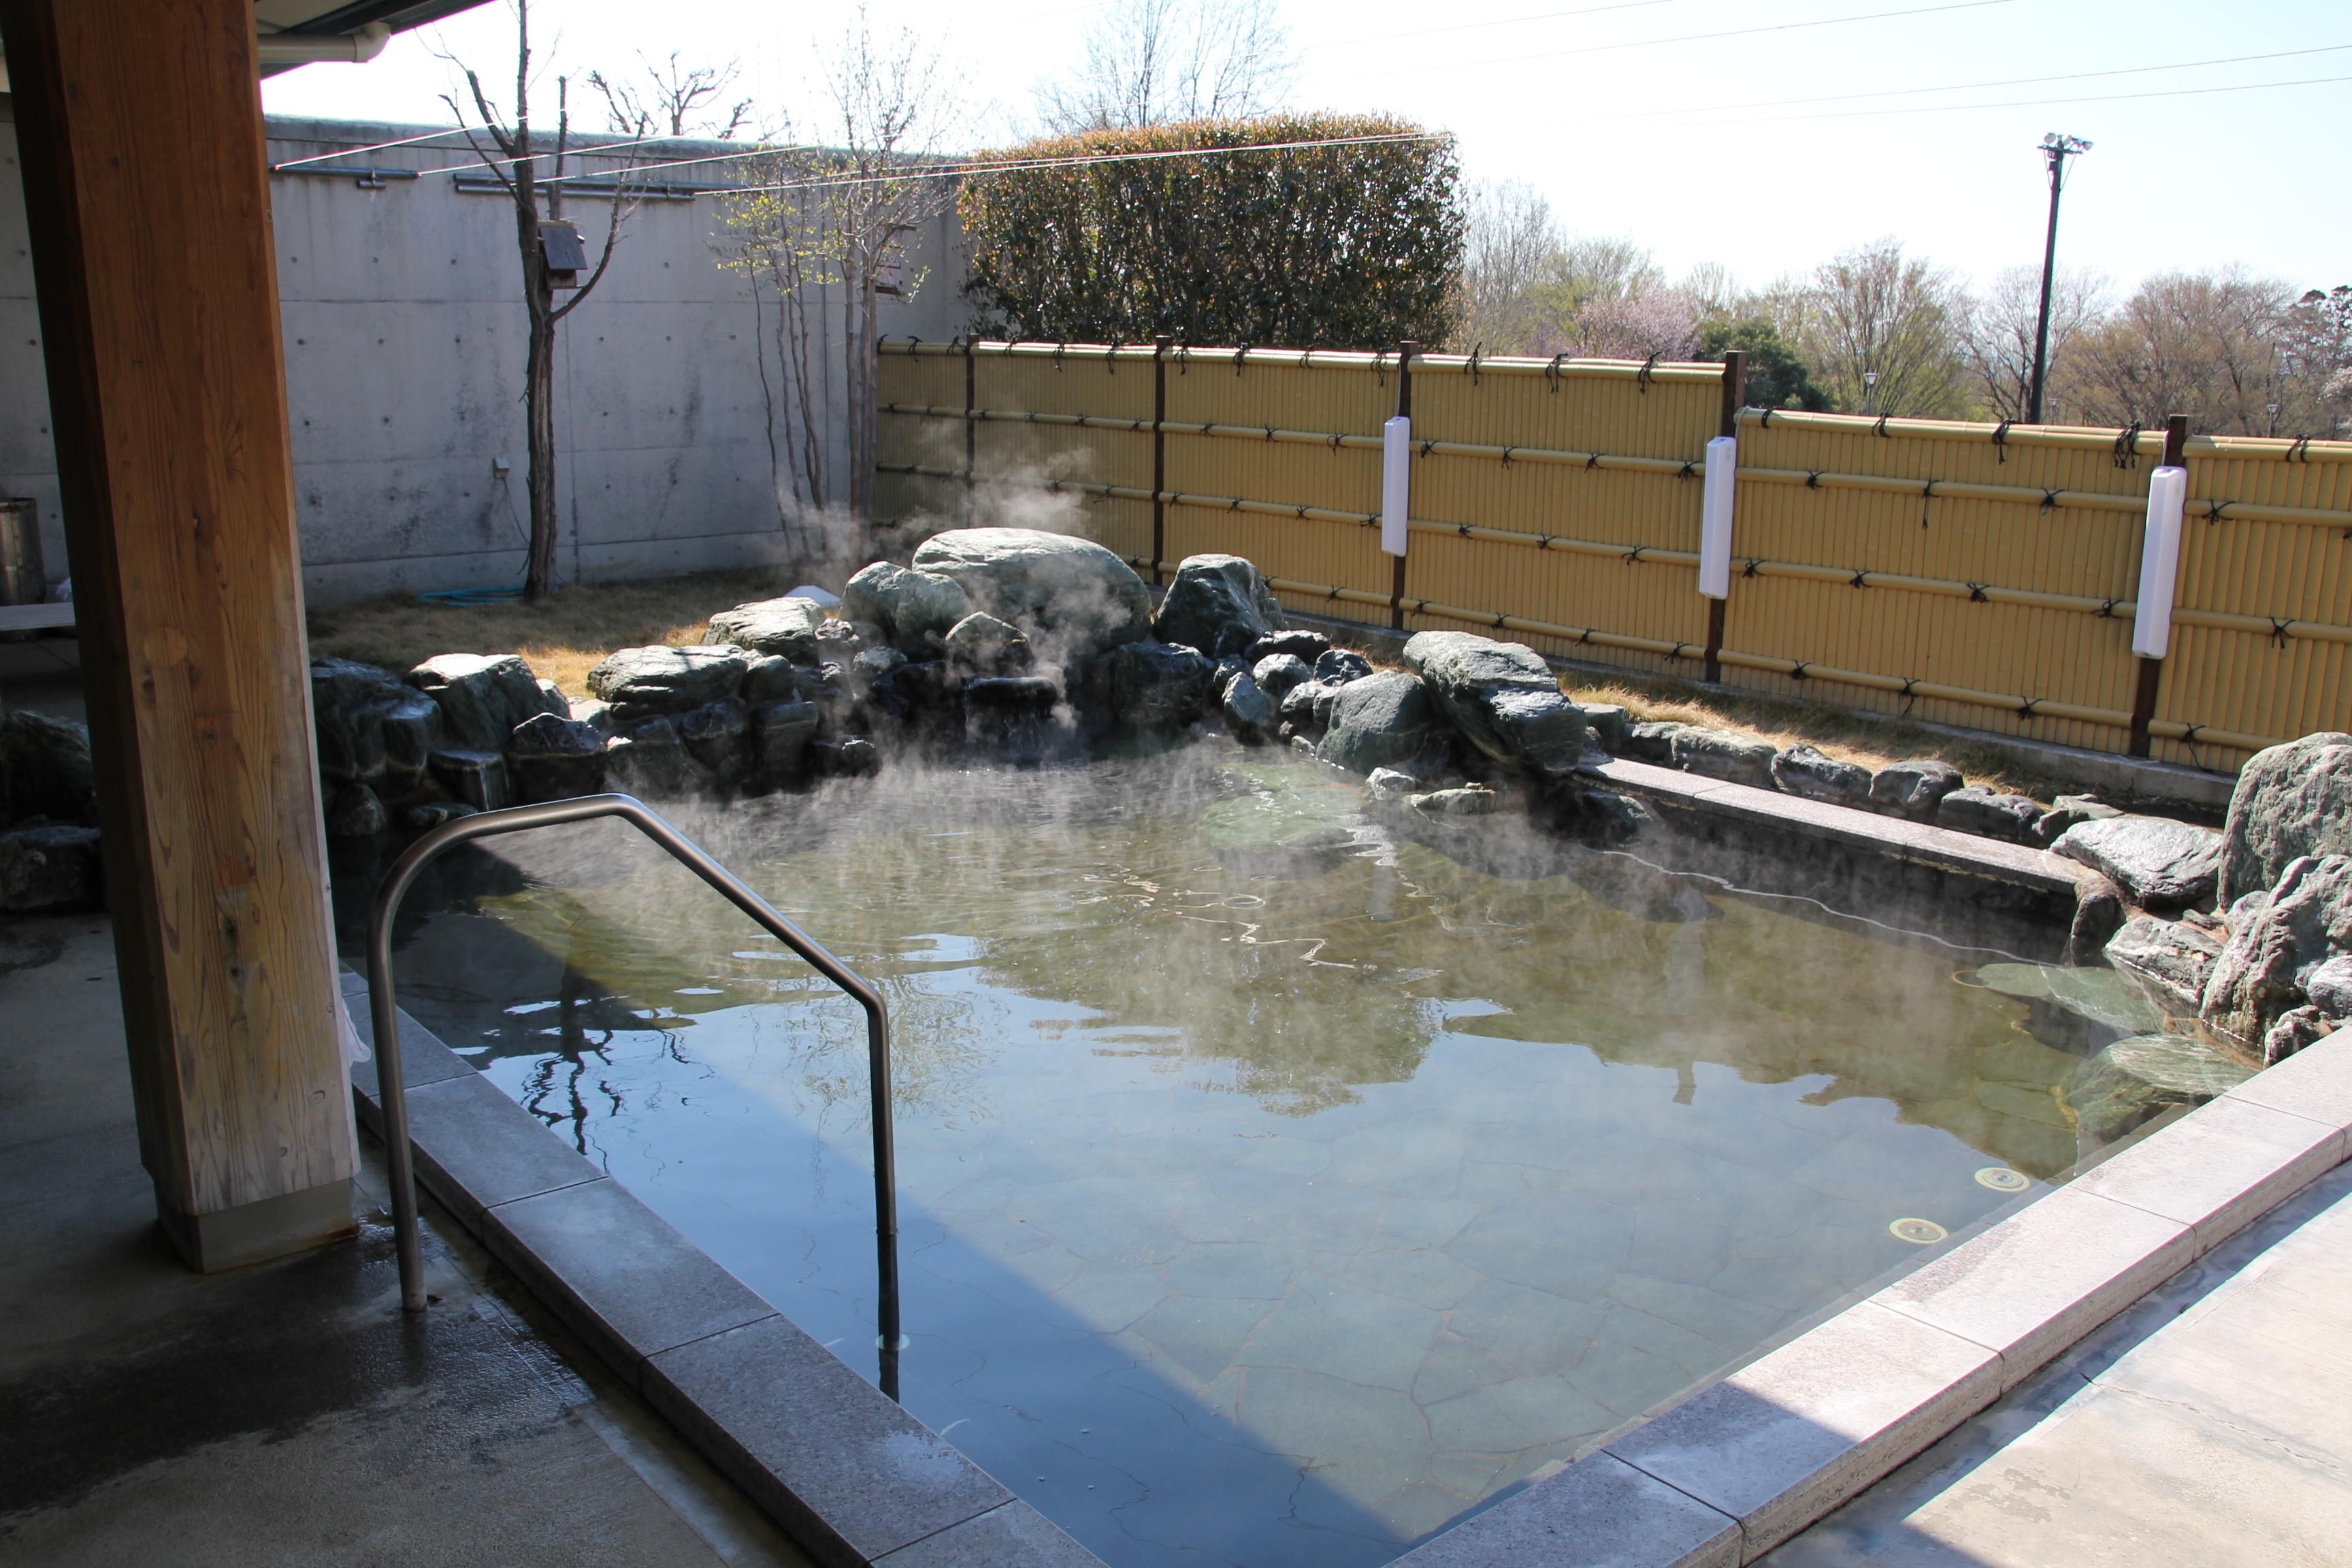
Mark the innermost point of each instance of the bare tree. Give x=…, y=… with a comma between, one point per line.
x=847, y=217
x=1880, y=330
x=542, y=238
x=1997, y=336
x=1528, y=287
x=2211, y=346
x=671, y=96
x=1510, y=242
x=1154, y=62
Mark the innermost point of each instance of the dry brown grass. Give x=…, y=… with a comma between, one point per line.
x=563, y=638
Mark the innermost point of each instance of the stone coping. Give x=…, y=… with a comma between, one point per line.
x=1719, y=1479
x=854, y=1479
x=1914, y=843
x=1745, y=1462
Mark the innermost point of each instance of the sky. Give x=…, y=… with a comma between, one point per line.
x=1764, y=138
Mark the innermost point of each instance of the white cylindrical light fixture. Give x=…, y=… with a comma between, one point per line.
x=1396, y=483
x=2159, y=561
x=1715, y=517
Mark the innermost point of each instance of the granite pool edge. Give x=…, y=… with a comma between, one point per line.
x=1738, y=1466
x=848, y=1474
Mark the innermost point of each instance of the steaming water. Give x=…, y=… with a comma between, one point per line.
x=1275, y=1192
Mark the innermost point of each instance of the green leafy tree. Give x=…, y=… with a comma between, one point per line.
x=1350, y=245
x=1777, y=378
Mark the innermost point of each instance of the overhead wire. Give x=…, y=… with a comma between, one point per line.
x=2022, y=104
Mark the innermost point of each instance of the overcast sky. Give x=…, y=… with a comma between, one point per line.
x=1766, y=147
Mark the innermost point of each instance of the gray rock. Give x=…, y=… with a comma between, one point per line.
x=1071, y=598
x=1277, y=673
x=1388, y=784
x=1304, y=646
x=432, y=814
x=477, y=778
x=649, y=761
x=2171, y=962
x=1217, y=604
x=1652, y=741
x=1297, y=706
x=550, y=758
x=844, y=640
x=348, y=699
x=2099, y=997
x=357, y=812
x=1989, y=814
x=715, y=736
x=771, y=678
x=2290, y=801
x=852, y=757
x=1327, y=700
x=1338, y=666
x=482, y=697
x=650, y=682
x=914, y=609
x=50, y=867
x=45, y=768
x=2329, y=987
x=982, y=644
x=1248, y=711
x=2066, y=810
x=2162, y=864
x=2137, y=1078
x=2291, y=1032
x=1503, y=698
x=1724, y=754
x=875, y=663
x=1302, y=747
x=2100, y=911
x=2308, y=919
x=1012, y=694
x=787, y=628
x=1469, y=801
x=781, y=736
x=1611, y=817
x=1913, y=789
x=1607, y=722
x=598, y=716
x=1382, y=720
x=1156, y=688
x=1808, y=771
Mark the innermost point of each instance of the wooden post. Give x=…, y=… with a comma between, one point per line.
x=139, y=124
x=1159, y=347
x=2151, y=670
x=1405, y=350
x=1735, y=397
x=971, y=437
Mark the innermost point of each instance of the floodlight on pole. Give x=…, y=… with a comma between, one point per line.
x=2056, y=148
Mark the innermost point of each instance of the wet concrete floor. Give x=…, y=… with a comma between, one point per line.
x=286, y=1413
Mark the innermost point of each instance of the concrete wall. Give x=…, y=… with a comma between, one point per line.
x=404, y=337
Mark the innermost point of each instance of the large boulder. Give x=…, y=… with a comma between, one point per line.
x=1383, y=720
x=2068, y=810
x=785, y=627
x=2307, y=920
x=2171, y=962
x=1277, y=673
x=1218, y=604
x=1504, y=698
x=550, y=758
x=1990, y=812
x=1609, y=723
x=717, y=736
x=1248, y=711
x=648, y=682
x=2163, y=864
x=44, y=769
x=50, y=867
x=1724, y=754
x=650, y=761
x=1653, y=740
x=1072, y=599
x=2291, y=801
x=2139, y=1078
x=1914, y=789
x=1157, y=687
x=1814, y=775
x=1338, y=666
x=781, y=734
x=1304, y=646
x=373, y=728
x=482, y=697
x=914, y=609
x=983, y=644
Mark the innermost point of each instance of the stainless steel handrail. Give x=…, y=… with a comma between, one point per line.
x=392, y=1085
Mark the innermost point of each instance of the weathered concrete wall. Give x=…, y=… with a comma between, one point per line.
x=404, y=339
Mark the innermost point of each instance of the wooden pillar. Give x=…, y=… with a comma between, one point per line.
x=1735, y=398
x=139, y=126
x=2151, y=670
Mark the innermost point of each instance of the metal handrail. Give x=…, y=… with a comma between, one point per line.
x=392, y=1084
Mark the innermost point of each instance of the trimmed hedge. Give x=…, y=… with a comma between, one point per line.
x=1338, y=247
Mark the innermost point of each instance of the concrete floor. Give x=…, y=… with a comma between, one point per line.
x=286, y=1413
x=2209, y=1426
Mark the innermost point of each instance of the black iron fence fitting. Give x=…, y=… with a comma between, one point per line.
x=2001, y=438
x=1241, y=357
x=2127, y=447
x=2278, y=629
x=1976, y=593
x=1879, y=429
x=1766, y=422
x=1475, y=349
x=1506, y=456
x=1688, y=470
x=2048, y=500
x=392, y=1083
x=1813, y=479
x=1184, y=359
x=2107, y=609
x=1110, y=357
x=2299, y=450
x=1860, y=580
x=1642, y=376
x=1591, y=460
x=2025, y=708
x=1427, y=447
x=1797, y=669
x=1058, y=348
x=1552, y=377
x=1463, y=529
x=2216, y=509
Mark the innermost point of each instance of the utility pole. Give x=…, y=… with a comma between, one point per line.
x=2056, y=148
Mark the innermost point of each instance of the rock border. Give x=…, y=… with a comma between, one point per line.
x=1719, y=1479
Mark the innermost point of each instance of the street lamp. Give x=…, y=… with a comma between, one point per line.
x=1870, y=392
x=2056, y=148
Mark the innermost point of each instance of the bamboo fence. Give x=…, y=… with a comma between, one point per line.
x=1960, y=572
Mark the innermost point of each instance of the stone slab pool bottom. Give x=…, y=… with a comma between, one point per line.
x=1274, y=1191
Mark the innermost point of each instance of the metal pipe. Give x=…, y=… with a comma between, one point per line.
x=392, y=1084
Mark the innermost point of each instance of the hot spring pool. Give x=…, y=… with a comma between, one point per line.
x=1275, y=1190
